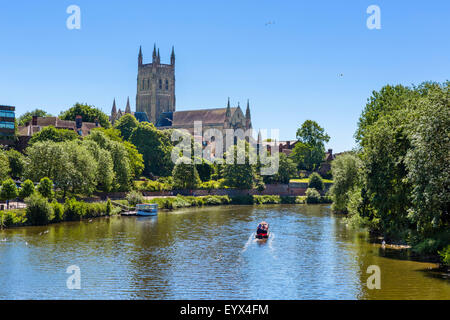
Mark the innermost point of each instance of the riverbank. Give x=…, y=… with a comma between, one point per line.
x=73, y=210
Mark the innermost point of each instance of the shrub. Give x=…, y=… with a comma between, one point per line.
x=73, y=210
x=312, y=195
x=58, y=211
x=27, y=189
x=445, y=255
x=45, y=188
x=134, y=197
x=316, y=182
x=39, y=211
x=12, y=218
x=109, y=207
x=248, y=199
x=8, y=190
x=266, y=199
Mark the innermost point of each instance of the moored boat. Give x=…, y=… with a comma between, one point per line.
x=150, y=209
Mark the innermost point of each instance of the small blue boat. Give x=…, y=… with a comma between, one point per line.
x=147, y=209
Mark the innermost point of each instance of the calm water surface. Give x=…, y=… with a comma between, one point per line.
x=208, y=253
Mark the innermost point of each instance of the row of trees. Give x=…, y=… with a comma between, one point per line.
x=398, y=181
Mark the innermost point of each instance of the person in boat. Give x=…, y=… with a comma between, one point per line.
x=262, y=230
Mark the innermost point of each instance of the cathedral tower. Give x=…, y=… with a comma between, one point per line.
x=155, y=86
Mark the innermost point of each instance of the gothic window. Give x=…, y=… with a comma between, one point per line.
x=142, y=86
x=167, y=84
x=160, y=83
x=148, y=83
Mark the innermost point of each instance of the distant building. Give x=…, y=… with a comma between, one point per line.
x=7, y=124
x=155, y=102
x=38, y=123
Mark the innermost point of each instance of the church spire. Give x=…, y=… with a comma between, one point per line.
x=128, y=109
x=159, y=57
x=172, y=56
x=140, y=56
x=154, y=54
x=113, y=111
x=228, y=113
x=248, y=121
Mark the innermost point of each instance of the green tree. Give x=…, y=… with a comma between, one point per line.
x=155, y=147
x=4, y=165
x=105, y=169
x=185, y=175
x=346, y=172
x=88, y=113
x=27, y=189
x=51, y=133
x=286, y=170
x=316, y=182
x=309, y=151
x=8, y=190
x=205, y=169
x=312, y=196
x=45, y=188
x=16, y=163
x=236, y=175
x=126, y=124
x=28, y=116
x=39, y=211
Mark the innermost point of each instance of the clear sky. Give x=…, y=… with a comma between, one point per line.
x=294, y=60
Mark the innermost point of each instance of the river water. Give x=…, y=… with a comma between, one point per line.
x=209, y=253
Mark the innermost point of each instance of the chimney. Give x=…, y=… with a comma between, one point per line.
x=96, y=122
x=330, y=151
x=34, y=121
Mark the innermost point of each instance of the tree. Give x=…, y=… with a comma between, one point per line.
x=4, y=166
x=126, y=124
x=286, y=170
x=309, y=151
x=105, y=169
x=39, y=211
x=236, y=175
x=346, y=172
x=88, y=113
x=16, y=163
x=51, y=133
x=312, y=196
x=155, y=147
x=185, y=175
x=316, y=182
x=28, y=116
x=27, y=189
x=9, y=190
x=205, y=169
x=45, y=188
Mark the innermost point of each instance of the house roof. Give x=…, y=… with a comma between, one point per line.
x=43, y=122
x=207, y=116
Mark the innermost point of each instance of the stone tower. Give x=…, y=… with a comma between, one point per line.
x=155, y=86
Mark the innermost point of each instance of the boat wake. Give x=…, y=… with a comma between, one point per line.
x=250, y=240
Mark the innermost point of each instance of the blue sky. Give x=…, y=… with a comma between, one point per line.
x=289, y=69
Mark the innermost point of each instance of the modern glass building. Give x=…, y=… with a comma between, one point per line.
x=7, y=124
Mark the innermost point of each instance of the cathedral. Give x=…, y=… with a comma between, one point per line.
x=155, y=101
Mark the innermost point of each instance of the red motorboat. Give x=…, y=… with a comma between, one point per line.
x=262, y=231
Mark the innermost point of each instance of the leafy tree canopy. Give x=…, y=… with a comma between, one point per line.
x=27, y=116
x=51, y=133
x=88, y=113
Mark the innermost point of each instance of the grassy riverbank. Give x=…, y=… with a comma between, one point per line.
x=73, y=210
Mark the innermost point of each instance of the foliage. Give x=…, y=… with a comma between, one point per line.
x=16, y=163
x=58, y=211
x=8, y=190
x=27, y=189
x=155, y=147
x=445, y=255
x=239, y=175
x=51, y=133
x=309, y=151
x=12, y=218
x=134, y=197
x=28, y=116
x=286, y=170
x=39, y=211
x=346, y=170
x=185, y=175
x=88, y=113
x=105, y=169
x=45, y=188
x=312, y=196
x=126, y=124
x=316, y=182
x=205, y=169
x=4, y=165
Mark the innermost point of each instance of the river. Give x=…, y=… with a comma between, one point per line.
x=209, y=253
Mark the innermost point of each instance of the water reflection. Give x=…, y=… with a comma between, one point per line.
x=208, y=253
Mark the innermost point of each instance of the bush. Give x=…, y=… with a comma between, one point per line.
x=58, y=211
x=73, y=210
x=45, y=188
x=8, y=190
x=39, y=211
x=12, y=218
x=316, y=182
x=266, y=199
x=27, y=189
x=109, y=207
x=242, y=199
x=134, y=197
x=312, y=196
x=445, y=255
